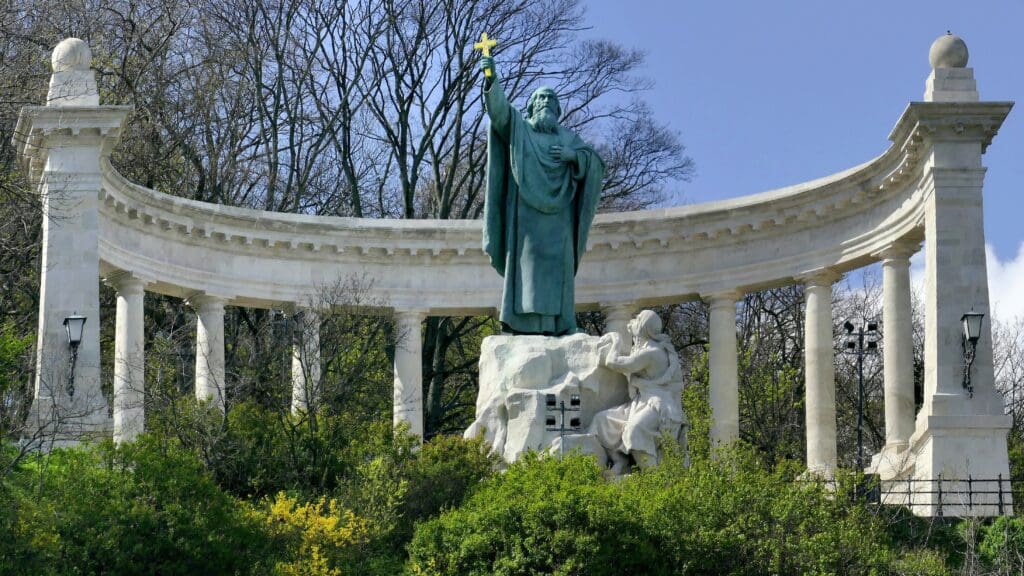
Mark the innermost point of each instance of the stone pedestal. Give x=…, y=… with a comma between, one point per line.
x=516, y=375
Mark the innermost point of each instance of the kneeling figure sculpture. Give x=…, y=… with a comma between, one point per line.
x=654, y=410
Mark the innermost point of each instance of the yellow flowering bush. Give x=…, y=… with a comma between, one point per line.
x=315, y=538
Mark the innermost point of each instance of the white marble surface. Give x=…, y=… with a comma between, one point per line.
x=516, y=374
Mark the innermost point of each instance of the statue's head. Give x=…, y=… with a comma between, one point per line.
x=646, y=326
x=543, y=110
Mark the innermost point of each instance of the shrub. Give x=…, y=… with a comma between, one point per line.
x=314, y=539
x=730, y=516
x=142, y=509
x=536, y=518
x=1002, y=545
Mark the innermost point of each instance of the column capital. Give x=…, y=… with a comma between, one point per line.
x=901, y=249
x=204, y=301
x=819, y=277
x=126, y=283
x=411, y=316
x=723, y=298
x=621, y=307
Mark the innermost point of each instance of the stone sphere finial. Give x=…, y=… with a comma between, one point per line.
x=948, y=51
x=71, y=54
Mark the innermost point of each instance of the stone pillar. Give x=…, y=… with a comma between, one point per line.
x=129, y=358
x=62, y=147
x=820, y=373
x=960, y=432
x=408, y=405
x=306, y=361
x=209, y=348
x=898, y=346
x=722, y=365
x=616, y=319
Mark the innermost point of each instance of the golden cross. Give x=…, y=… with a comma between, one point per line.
x=484, y=46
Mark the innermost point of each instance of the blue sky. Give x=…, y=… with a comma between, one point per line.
x=767, y=94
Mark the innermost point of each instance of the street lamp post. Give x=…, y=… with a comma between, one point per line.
x=860, y=341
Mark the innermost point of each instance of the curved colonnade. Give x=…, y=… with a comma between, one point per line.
x=925, y=187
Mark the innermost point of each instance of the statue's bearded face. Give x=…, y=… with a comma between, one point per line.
x=544, y=110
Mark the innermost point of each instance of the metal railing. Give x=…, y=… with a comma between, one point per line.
x=943, y=496
x=994, y=496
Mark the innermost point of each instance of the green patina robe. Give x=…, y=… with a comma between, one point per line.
x=537, y=212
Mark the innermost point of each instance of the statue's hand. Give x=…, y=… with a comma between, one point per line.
x=487, y=63
x=563, y=154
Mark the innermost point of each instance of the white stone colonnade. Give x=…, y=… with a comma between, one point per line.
x=926, y=186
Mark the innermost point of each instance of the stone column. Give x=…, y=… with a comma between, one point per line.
x=209, y=348
x=616, y=319
x=898, y=346
x=306, y=361
x=820, y=373
x=62, y=147
x=960, y=431
x=722, y=364
x=408, y=405
x=129, y=358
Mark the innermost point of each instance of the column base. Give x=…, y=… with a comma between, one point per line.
x=892, y=461
x=954, y=466
x=819, y=473
x=55, y=424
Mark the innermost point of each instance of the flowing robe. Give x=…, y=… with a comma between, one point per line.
x=654, y=409
x=537, y=212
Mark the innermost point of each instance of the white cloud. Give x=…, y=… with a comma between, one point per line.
x=1005, y=282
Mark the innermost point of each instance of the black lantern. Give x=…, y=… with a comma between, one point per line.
x=972, y=326
x=971, y=322
x=74, y=325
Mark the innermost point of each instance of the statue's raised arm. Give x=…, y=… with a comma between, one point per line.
x=495, y=102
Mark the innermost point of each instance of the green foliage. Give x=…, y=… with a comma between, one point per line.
x=730, y=516
x=920, y=562
x=698, y=408
x=139, y=509
x=1002, y=545
x=399, y=484
x=771, y=405
x=1015, y=447
x=15, y=384
x=13, y=350
x=443, y=472
x=540, y=517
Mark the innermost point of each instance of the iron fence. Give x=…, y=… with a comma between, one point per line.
x=940, y=496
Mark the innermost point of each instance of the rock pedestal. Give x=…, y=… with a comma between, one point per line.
x=516, y=375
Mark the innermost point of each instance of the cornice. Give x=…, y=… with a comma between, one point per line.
x=39, y=127
x=728, y=222
x=950, y=121
x=834, y=224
